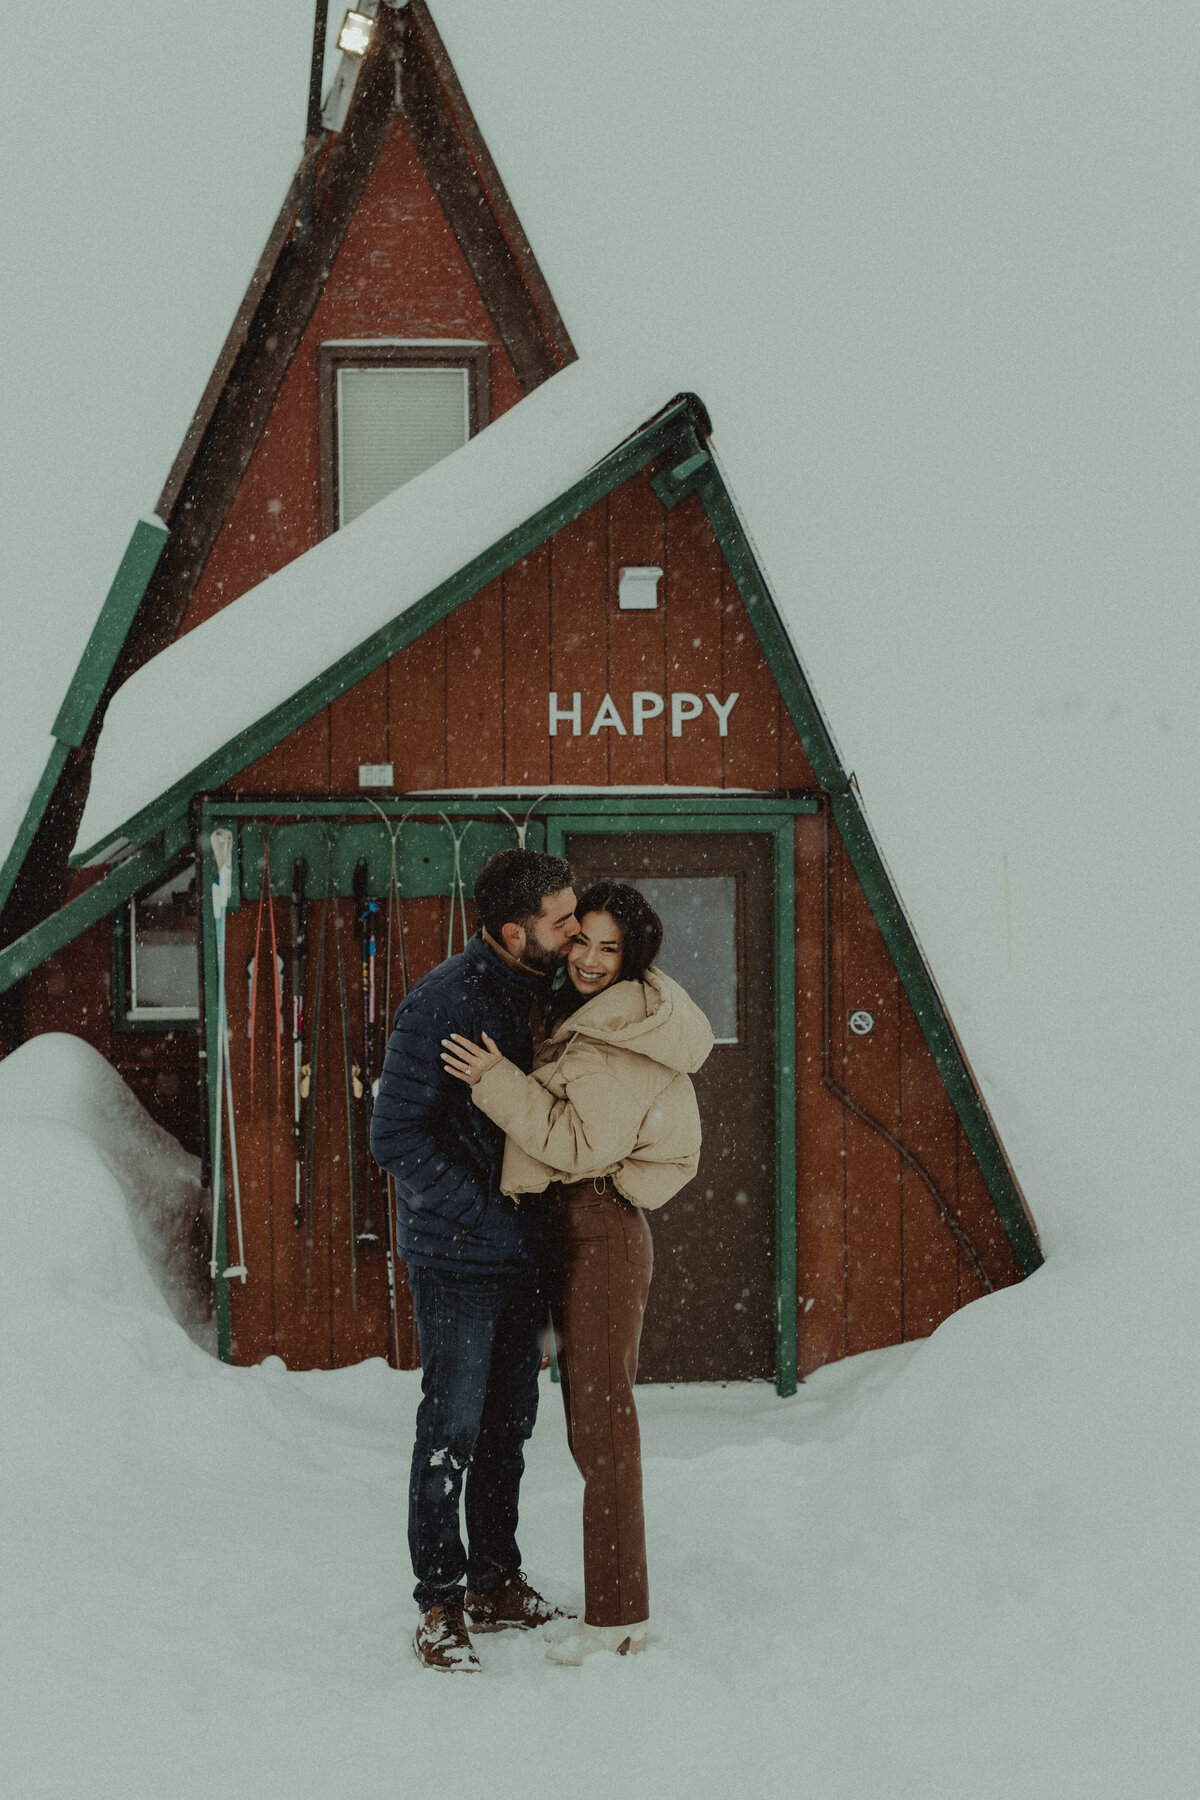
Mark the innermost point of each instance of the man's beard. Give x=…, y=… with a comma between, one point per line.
x=546, y=962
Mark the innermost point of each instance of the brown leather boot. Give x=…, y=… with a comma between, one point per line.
x=513, y=1606
x=441, y=1640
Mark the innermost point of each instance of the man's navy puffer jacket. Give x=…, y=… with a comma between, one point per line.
x=443, y=1153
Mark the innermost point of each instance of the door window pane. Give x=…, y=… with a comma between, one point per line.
x=394, y=424
x=163, y=977
x=699, y=951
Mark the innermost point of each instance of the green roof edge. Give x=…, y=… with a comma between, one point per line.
x=110, y=631
x=56, y=762
x=87, y=684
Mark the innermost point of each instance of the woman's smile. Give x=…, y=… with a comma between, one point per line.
x=594, y=959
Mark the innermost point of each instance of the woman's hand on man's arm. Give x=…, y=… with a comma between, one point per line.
x=465, y=1060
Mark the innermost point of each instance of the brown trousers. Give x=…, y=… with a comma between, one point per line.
x=604, y=1257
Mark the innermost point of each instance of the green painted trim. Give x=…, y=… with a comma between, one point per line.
x=248, y=745
x=782, y=832
x=88, y=908
x=547, y=805
x=110, y=631
x=786, y=1337
x=208, y=1027
x=674, y=484
x=424, y=861
x=868, y=865
x=56, y=762
x=665, y=806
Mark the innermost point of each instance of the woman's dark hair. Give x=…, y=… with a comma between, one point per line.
x=641, y=927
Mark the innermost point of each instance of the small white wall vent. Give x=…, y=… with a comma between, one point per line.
x=375, y=775
x=637, y=590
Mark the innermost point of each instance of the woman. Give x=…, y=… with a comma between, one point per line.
x=608, y=1122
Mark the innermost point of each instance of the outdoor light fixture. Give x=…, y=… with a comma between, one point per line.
x=355, y=35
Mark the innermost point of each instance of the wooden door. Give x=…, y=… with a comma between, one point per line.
x=712, y=1303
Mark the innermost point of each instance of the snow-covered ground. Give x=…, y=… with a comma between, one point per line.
x=962, y=1569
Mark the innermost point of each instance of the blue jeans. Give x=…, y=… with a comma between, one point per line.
x=481, y=1348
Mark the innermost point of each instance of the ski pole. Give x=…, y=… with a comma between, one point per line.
x=299, y=911
x=352, y=1074
x=265, y=898
x=365, y=910
x=277, y=965
x=238, y=1268
x=308, y=1093
x=393, y=901
x=222, y=847
x=395, y=913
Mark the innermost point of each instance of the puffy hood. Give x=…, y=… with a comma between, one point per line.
x=653, y=1017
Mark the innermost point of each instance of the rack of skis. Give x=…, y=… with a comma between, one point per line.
x=322, y=955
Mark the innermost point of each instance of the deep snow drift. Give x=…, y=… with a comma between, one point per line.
x=964, y=1568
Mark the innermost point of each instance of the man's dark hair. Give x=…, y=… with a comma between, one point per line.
x=511, y=886
x=641, y=927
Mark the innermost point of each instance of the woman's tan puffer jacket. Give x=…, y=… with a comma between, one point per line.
x=609, y=1095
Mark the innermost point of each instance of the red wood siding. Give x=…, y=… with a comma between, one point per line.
x=399, y=273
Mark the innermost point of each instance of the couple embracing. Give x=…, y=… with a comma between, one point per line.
x=529, y=1125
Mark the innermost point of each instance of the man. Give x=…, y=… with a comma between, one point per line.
x=472, y=1257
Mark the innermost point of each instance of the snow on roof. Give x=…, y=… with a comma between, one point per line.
x=196, y=695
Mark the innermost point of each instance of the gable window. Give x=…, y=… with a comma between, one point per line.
x=389, y=411
x=155, y=952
